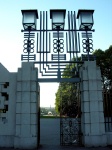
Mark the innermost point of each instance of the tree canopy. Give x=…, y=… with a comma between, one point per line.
x=104, y=60
x=67, y=99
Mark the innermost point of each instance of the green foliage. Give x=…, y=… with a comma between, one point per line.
x=66, y=102
x=67, y=98
x=104, y=60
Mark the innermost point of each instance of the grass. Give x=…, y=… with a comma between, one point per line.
x=49, y=117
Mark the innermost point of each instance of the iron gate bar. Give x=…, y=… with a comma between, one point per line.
x=76, y=80
x=59, y=30
x=53, y=62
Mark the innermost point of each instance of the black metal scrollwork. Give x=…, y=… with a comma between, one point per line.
x=58, y=45
x=87, y=45
x=28, y=46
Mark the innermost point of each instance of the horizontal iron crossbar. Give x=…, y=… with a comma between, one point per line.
x=54, y=62
x=75, y=80
x=56, y=30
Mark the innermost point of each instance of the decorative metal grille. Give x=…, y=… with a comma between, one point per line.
x=70, y=116
x=54, y=49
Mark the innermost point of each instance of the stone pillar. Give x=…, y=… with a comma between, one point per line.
x=26, y=135
x=92, y=119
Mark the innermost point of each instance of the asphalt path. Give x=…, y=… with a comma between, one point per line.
x=50, y=131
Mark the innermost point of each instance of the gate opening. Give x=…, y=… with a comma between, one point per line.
x=63, y=127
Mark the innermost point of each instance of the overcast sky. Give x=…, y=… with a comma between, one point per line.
x=11, y=38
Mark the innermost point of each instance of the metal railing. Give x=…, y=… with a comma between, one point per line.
x=107, y=102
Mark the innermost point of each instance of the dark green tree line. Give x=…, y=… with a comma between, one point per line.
x=67, y=99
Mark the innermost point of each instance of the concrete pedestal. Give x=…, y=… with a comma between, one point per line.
x=27, y=107
x=92, y=119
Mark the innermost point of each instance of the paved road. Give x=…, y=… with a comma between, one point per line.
x=50, y=131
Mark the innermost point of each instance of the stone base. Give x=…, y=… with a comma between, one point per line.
x=109, y=138
x=94, y=141
x=25, y=143
x=6, y=141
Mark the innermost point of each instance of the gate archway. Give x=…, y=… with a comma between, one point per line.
x=56, y=58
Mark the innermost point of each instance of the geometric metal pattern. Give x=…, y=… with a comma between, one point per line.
x=51, y=51
x=54, y=49
x=69, y=130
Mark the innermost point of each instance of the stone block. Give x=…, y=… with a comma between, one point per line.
x=94, y=117
x=84, y=76
x=0, y=87
x=86, y=117
x=34, y=119
x=95, y=129
x=25, y=119
x=99, y=85
x=34, y=130
x=25, y=97
x=86, y=141
x=98, y=140
x=34, y=86
x=109, y=138
x=98, y=73
x=100, y=106
x=18, y=130
x=95, y=141
x=26, y=86
x=25, y=130
x=16, y=142
x=6, y=141
x=33, y=96
x=19, y=75
x=19, y=86
x=25, y=108
x=101, y=117
x=87, y=128
x=85, y=96
x=27, y=70
x=28, y=143
x=92, y=85
x=18, y=97
x=18, y=107
x=99, y=93
x=93, y=96
x=86, y=106
x=102, y=128
x=18, y=119
x=33, y=108
x=34, y=74
x=85, y=86
x=94, y=106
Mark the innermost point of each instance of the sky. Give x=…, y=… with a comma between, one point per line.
x=11, y=38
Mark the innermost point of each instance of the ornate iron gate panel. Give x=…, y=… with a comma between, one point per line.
x=70, y=115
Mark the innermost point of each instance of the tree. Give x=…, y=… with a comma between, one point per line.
x=104, y=61
x=67, y=96
x=67, y=100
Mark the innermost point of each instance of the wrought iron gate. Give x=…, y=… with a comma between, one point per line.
x=70, y=115
x=55, y=54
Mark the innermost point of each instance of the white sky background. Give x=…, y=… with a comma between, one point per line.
x=11, y=38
